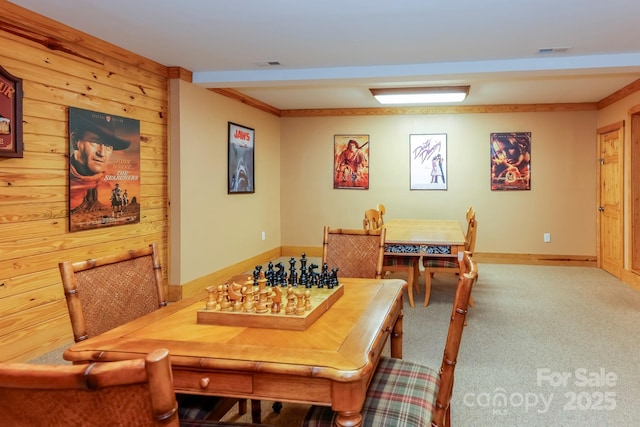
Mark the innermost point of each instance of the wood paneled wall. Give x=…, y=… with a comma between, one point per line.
x=61, y=67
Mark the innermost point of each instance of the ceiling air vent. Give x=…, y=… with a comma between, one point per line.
x=267, y=63
x=548, y=50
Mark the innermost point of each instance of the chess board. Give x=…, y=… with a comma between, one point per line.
x=319, y=301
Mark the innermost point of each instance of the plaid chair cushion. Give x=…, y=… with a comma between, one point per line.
x=394, y=261
x=440, y=262
x=401, y=393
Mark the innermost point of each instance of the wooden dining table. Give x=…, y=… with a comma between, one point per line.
x=420, y=237
x=329, y=363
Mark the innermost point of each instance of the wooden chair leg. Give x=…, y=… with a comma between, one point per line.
x=427, y=287
x=411, y=284
x=256, y=416
x=242, y=406
x=416, y=276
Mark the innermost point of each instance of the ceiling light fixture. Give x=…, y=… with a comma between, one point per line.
x=420, y=95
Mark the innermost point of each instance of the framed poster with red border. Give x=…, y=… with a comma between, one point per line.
x=10, y=115
x=351, y=162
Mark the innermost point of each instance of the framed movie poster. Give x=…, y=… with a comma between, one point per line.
x=351, y=161
x=428, y=161
x=10, y=115
x=104, y=170
x=511, y=161
x=241, y=173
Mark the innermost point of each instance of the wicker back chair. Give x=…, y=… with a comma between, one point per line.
x=107, y=292
x=374, y=219
x=407, y=394
x=137, y=392
x=355, y=253
x=450, y=265
x=104, y=293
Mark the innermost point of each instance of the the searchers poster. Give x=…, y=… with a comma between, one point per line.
x=104, y=170
x=511, y=161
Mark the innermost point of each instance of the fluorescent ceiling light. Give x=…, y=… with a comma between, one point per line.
x=421, y=95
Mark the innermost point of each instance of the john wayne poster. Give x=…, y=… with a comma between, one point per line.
x=104, y=170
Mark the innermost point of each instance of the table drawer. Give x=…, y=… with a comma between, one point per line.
x=211, y=382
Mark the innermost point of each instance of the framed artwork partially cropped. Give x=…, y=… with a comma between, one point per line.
x=351, y=162
x=510, y=161
x=428, y=161
x=10, y=115
x=241, y=173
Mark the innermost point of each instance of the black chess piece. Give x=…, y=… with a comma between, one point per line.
x=304, y=278
x=256, y=273
x=324, y=276
x=269, y=274
x=312, y=276
x=293, y=274
x=333, y=280
x=281, y=275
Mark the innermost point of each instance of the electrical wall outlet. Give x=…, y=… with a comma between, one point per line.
x=547, y=237
x=264, y=235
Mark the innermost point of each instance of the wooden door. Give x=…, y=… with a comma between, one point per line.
x=635, y=189
x=610, y=199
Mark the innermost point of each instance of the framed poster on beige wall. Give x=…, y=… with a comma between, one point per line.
x=428, y=161
x=351, y=162
x=510, y=161
x=241, y=159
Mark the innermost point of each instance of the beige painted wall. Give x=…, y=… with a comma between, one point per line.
x=561, y=201
x=211, y=229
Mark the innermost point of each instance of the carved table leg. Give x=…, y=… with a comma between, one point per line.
x=348, y=419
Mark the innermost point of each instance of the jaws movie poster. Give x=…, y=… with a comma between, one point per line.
x=104, y=170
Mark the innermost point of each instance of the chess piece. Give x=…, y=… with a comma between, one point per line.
x=291, y=301
x=313, y=276
x=276, y=300
x=212, y=302
x=281, y=275
x=256, y=273
x=300, y=305
x=293, y=274
x=235, y=295
x=324, y=276
x=261, y=281
x=262, y=304
x=249, y=299
x=333, y=281
x=304, y=278
x=223, y=296
x=270, y=274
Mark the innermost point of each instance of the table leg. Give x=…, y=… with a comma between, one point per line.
x=348, y=419
x=396, y=338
